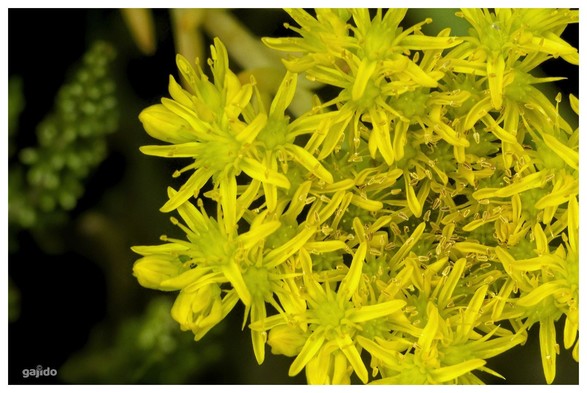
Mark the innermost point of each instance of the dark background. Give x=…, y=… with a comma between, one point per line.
x=74, y=285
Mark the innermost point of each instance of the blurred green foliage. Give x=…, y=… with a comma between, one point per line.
x=146, y=349
x=49, y=177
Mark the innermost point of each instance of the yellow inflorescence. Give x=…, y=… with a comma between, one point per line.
x=404, y=231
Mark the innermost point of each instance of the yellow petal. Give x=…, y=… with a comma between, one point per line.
x=540, y=293
x=381, y=133
x=233, y=273
x=286, y=340
x=341, y=372
x=281, y=253
x=349, y=349
x=450, y=135
x=284, y=94
x=467, y=247
x=367, y=204
x=245, y=200
x=500, y=132
x=502, y=297
x=366, y=69
x=237, y=97
x=451, y=282
x=183, y=150
x=477, y=111
x=374, y=311
x=537, y=263
x=573, y=223
x=430, y=331
x=167, y=248
x=495, y=73
x=220, y=57
x=570, y=332
x=423, y=42
x=141, y=24
x=181, y=310
x=298, y=201
x=152, y=270
x=553, y=44
x=257, y=233
x=325, y=246
x=349, y=284
x=569, y=155
x=563, y=189
x=311, y=347
x=258, y=171
x=449, y=373
x=413, y=202
x=310, y=162
x=540, y=238
x=423, y=78
x=161, y=123
x=332, y=205
x=407, y=246
x=189, y=280
x=258, y=313
x=319, y=369
x=459, y=153
x=529, y=182
x=471, y=315
x=191, y=188
x=188, y=72
x=250, y=132
x=178, y=93
x=359, y=230
x=399, y=138
x=548, y=352
x=574, y=103
x=286, y=44
x=334, y=134
x=227, y=190
x=206, y=321
x=471, y=226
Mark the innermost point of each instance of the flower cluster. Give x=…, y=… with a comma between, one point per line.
x=404, y=231
x=49, y=179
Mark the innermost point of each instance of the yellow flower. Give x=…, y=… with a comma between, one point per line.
x=209, y=257
x=504, y=36
x=200, y=307
x=505, y=46
x=447, y=349
x=333, y=324
x=277, y=138
x=368, y=66
x=548, y=285
x=207, y=127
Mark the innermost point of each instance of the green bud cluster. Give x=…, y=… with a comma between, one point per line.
x=71, y=143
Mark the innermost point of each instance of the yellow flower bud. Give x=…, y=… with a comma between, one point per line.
x=152, y=270
x=286, y=340
x=162, y=124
